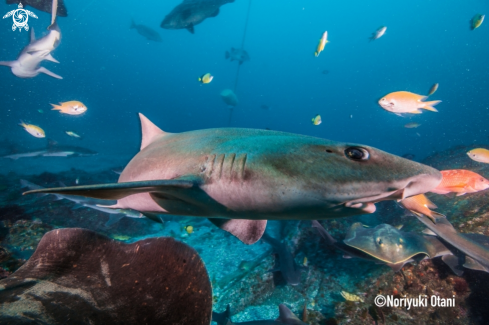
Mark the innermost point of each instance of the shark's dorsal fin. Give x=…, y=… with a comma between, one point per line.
x=149, y=131
x=286, y=316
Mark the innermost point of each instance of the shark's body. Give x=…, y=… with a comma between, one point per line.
x=258, y=175
x=147, y=32
x=287, y=266
x=28, y=63
x=192, y=12
x=385, y=244
x=467, y=250
x=54, y=151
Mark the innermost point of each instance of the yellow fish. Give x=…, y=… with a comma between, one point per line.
x=405, y=102
x=433, y=89
x=33, y=130
x=479, y=154
x=316, y=120
x=351, y=297
x=322, y=44
x=476, y=21
x=304, y=262
x=72, y=107
x=412, y=125
x=189, y=229
x=72, y=134
x=207, y=78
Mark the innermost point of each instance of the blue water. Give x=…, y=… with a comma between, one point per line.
x=117, y=73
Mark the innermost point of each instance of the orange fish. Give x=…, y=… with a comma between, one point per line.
x=405, y=102
x=461, y=181
x=421, y=204
x=72, y=107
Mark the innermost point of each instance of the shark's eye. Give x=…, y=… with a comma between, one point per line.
x=379, y=241
x=357, y=153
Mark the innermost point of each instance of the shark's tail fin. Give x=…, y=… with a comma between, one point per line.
x=133, y=25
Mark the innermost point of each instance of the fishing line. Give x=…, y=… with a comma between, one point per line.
x=239, y=64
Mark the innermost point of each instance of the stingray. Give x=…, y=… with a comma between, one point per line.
x=192, y=12
x=77, y=276
x=385, y=244
x=43, y=5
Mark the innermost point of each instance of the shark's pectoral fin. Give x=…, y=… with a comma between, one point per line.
x=248, y=231
x=117, y=191
x=472, y=264
x=396, y=267
x=113, y=219
x=152, y=216
x=49, y=73
x=6, y=63
x=453, y=262
x=49, y=57
x=191, y=29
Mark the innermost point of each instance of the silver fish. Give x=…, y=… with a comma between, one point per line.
x=243, y=174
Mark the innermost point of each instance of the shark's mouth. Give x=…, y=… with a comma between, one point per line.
x=367, y=203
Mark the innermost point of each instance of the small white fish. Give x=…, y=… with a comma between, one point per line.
x=72, y=134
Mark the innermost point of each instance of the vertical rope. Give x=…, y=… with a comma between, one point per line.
x=239, y=64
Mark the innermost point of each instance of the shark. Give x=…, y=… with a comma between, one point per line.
x=27, y=64
x=469, y=251
x=384, y=244
x=149, y=33
x=43, y=5
x=54, y=150
x=192, y=12
x=286, y=317
x=287, y=265
x=240, y=178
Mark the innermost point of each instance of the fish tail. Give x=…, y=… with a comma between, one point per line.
x=429, y=105
x=22, y=123
x=56, y=107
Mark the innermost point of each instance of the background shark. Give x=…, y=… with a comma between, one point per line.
x=192, y=12
x=149, y=33
x=54, y=150
x=27, y=64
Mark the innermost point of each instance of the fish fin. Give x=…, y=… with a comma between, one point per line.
x=49, y=73
x=149, y=131
x=117, y=191
x=248, y=231
x=460, y=194
x=215, y=13
x=33, y=36
x=191, y=29
x=429, y=105
x=396, y=267
x=472, y=264
x=453, y=262
x=323, y=233
x=286, y=316
x=49, y=57
x=56, y=107
x=113, y=219
x=416, y=112
x=399, y=114
x=429, y=232
x=7, y=63
x=399, y=227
